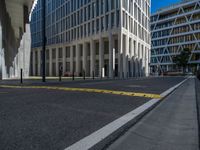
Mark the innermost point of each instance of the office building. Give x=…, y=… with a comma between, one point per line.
x=175, y=28
x=107, y=38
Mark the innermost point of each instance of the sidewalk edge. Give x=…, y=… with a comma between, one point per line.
x=107, y=134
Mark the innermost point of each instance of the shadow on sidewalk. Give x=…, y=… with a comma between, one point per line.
x=197, y=82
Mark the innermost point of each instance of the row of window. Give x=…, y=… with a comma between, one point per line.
x=69, y=20
x=177, y=30
x=173, y=50
x=85, y=30
x=177, y=21
x=185, y=9
x=131, y=6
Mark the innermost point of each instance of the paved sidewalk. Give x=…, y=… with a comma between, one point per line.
x=171, y=126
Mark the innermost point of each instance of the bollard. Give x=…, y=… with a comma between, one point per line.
x=21, y=76
x=60, y=73
x=73, y=76
x=83, y=75
x=60, y=76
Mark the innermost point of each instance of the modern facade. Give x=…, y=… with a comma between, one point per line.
x=174, y=28
x=107, y=38
x=15, y=37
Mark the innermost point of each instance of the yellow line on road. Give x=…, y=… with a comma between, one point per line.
x=123, y=93
x=3, y=92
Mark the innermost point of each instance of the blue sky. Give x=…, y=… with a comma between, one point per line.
x=156, y=4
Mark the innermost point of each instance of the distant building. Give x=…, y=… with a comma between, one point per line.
x=102, y=37
x=173, y=29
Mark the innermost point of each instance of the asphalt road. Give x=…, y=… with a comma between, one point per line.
x=40, y=119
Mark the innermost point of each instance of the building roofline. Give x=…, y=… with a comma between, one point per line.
x=173, y=6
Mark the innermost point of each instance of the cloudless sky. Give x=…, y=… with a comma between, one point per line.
x=156, y=4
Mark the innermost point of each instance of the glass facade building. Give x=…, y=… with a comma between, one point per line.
x=102, y=37
x=175, y=28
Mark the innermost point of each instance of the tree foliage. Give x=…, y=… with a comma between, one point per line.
x=183, y=58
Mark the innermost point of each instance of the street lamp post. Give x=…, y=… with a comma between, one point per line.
x=43, y=40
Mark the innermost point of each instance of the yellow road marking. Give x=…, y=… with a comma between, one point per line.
x=123, y=93
x=3, y=92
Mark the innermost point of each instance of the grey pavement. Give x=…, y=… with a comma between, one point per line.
x=172, y=125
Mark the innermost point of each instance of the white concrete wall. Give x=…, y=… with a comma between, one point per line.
x=14, y=47
x=22, y=59
x=1, y=57
x=3, y=72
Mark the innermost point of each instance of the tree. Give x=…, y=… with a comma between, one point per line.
x=183, y=58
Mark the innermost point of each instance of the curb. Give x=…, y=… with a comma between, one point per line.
x=106, y=135
x=197, y=107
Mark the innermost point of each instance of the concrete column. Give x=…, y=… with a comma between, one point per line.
x=109, y=20
x=101, y=58
x=33, y=58
x=131, y=56
x=136, y=60
x=147, y=62
x=1, y=47
x=39, y=63
x=85, y=57
x=120, y=55
x=18, y=64
x=100, y=15
x=50, y=62
x=149, y=59
x=15, y=66
x=57, y=64
x=143, y=60
x=104, y=9
x=71, y=59
x=111, y=56
x=125, y=55
x=64, y=60
x=115, y=19
x=139, y=61
x=78, y=59
x=92, y=57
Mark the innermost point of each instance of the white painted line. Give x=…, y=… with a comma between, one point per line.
x=96, y=137
x=164, y=94
x=102, y=134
